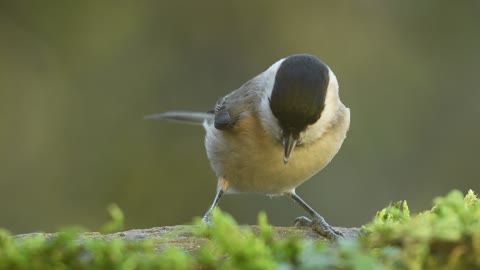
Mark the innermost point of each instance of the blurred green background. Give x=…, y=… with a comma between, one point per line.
x=76, y=78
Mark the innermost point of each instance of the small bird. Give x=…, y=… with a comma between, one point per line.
x=275, y=132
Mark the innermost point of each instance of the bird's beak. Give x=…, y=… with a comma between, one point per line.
x=289, y=143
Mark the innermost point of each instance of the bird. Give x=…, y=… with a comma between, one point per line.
x=274, y=132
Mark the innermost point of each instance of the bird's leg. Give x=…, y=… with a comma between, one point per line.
x=222, y=187
x=206, y=217
x=317, y=223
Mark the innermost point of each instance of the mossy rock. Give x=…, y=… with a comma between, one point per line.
x=446, y=237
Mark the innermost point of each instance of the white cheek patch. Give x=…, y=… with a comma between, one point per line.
x=268, y=120
x=269, y=76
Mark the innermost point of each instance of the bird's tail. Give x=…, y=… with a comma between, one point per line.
x=195, y=118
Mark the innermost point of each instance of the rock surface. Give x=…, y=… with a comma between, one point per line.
x=182, y=236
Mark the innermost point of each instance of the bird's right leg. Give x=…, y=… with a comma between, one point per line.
x=221, y=189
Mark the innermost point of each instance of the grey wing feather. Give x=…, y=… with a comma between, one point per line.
x=196, y=118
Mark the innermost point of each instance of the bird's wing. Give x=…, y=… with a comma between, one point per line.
x=230, y=109
x=222, y=119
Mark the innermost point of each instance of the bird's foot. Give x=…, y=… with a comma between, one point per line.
x=319, y=225
x=206, y=218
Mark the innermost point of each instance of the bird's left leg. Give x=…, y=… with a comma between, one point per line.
x=317, y=223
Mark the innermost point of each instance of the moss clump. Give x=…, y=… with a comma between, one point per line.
x=117, y=220
x=65, y=252
x=446, y=237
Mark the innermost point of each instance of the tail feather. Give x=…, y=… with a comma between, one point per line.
x=196, y=118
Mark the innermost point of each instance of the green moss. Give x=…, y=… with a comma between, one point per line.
x=446, y=237
x=116, y=222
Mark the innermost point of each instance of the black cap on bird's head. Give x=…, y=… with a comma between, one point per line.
x=298, y=96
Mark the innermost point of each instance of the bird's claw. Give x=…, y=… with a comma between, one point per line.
x=319, y=225
x=206, y=219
